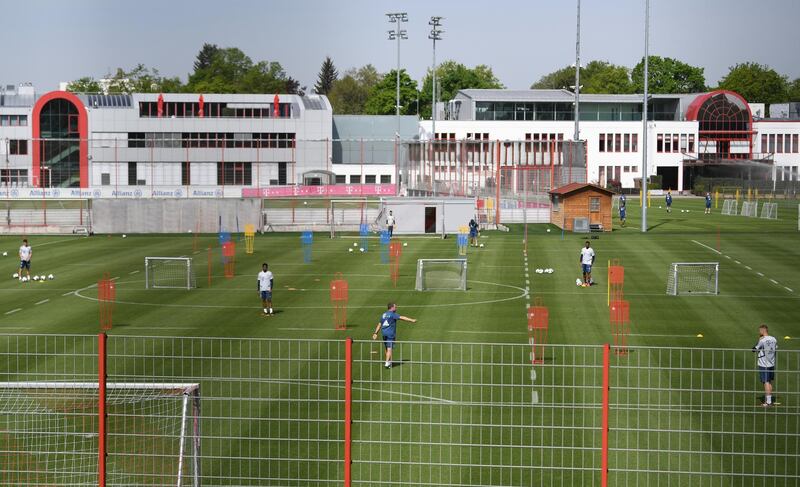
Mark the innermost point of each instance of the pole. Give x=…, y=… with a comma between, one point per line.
x=101, y=409
x=604, y=423
x=644, y=110
x=348, y=411
x=578, y=74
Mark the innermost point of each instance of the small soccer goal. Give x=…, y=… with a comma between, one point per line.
x=730, y=207
x=693, y=278
x=441, y=275
x=769, y=211
x=750, y=208
x=169, y=273
x=50, y=433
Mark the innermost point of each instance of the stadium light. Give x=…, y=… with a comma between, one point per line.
x=435, y=35
x=398, y=34
x=578, y=74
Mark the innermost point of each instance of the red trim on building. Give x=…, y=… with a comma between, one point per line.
x=83, y=134
x=694, y=107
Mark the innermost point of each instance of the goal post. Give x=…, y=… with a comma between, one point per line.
x=769, y=211
x=347, y=215
x=729, y=207
x=692, y=278
x=49, y=432
x=169, y=273
x=441, y=274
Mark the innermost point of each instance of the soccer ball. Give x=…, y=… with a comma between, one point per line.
x=548, y=230
x=305, y=202
x=43, y=278
x=349, y=250
x=35, y=278
x=24, y=278
x=481, y=245
x=577, y=282
x=5, y=254
x=355, y=244
x=51, y=277
x=15, y=276
x=405, y=244
x=361, y=249
x=124, y=236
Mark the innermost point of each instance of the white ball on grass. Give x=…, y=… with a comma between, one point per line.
x=577, y=282
x=305, y=202
x=15, y=276
x=355, y=244
x=35, y=278
x=481, y=246
x=405, y=244
x=42, y=278
x=361, y=249
x=124, y=236
x=349, y=250
x=51, y=277
x=548, y=230
x=5, y=254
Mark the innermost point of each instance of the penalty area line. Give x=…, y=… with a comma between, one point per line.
x=709, y=248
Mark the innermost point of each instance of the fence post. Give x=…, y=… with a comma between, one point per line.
x=604, y=424
x=101, y=409
x=348, y=403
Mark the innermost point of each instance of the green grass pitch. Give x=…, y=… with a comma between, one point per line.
x=759, y=283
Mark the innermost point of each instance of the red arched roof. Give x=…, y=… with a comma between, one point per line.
x=694, y=107
x=83, y=133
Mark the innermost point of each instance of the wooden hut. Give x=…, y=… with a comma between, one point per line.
x=581, y=201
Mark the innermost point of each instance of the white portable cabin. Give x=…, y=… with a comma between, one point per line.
x=419, y=216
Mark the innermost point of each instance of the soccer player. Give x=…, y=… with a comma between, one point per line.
x=622, y=209
x=265, y=283
x=669, y=202
x=388, y=328
x=390, y=223
x=25, y=254
x=708, y=203
x=586, y=260
x=766, y=348
x=473, y=232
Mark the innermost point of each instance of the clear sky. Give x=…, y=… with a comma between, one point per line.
x=47, y=41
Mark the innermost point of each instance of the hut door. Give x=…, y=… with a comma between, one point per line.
x=595, y=213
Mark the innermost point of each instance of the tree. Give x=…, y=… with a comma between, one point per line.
x=382, y=97
x=141, y=79
x=667, y=75
x=205, y=56
x=757, y=83
x=326, y=77
x=349, y=94
x=87, y=84
x=794, y=91
x=596, y=77
x=232, y=71
x=451, y=77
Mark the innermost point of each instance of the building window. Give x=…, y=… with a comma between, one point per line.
x=618, y=143
x=105, y=179
x=691, y=142
x=234, y=173
x=341, y=179
x=660, y=143
x=795, y=147
x=771, y=145
x=386, y=179
x=594, y=204
x=602, y=143
x=369, y=179
x=355, y=179
x=683, y=143
x=13, y=120
x=556, y=202
x=14, y=177
x=626, y=144
x=18, y=147
x=634, y=142
x=787, y=143
x=132, y=174
x=186, y=173
x=667, y=143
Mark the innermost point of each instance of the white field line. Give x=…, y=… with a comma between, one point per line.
x=773, y=281
x=788, y=289
x=13, y=311
x=709, y=248
x=748, y=268
x=41, y=302
x=665, y=335
x=132, y=273
x=760, y=274
x=68, y=293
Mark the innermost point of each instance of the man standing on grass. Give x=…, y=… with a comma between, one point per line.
x=388, y=328
x=390, y=223
x=766, y=348
x=708, y=203
x=622, y=209
x=669, y=202
x=265, y=283
x=473, y=232
x=25, y=254
x=587, y=259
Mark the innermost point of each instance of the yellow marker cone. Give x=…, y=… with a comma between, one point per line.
x=699, y=335
x=787, y=337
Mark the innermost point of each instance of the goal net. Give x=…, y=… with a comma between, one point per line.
x=50, y=435
x=349, y=215
x=693, y=278
x=169, y=273
x=750, y=208
x=769, y=211
x=729, y=207
x=441, y=274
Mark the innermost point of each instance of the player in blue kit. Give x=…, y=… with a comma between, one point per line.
x=708, y=203
x=669, y=202
x=622, y=210
x=388, y=328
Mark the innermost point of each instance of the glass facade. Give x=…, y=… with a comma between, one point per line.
x=59, y=145
x=561, y=111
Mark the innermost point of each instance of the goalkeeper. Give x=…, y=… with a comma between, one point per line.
x=388, y=328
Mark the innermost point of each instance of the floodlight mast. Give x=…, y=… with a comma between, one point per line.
x=435, y=35
x=398, y=34
x=644, y=113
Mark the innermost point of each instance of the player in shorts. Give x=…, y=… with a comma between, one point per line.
x=587, y=259
x=265, y=283
x=473, y=232
x=766, y=348
x=622, y=209
x=388, y=328
x=390, y=223
x=668, y=200
x=25, y=254
x=708, y=203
